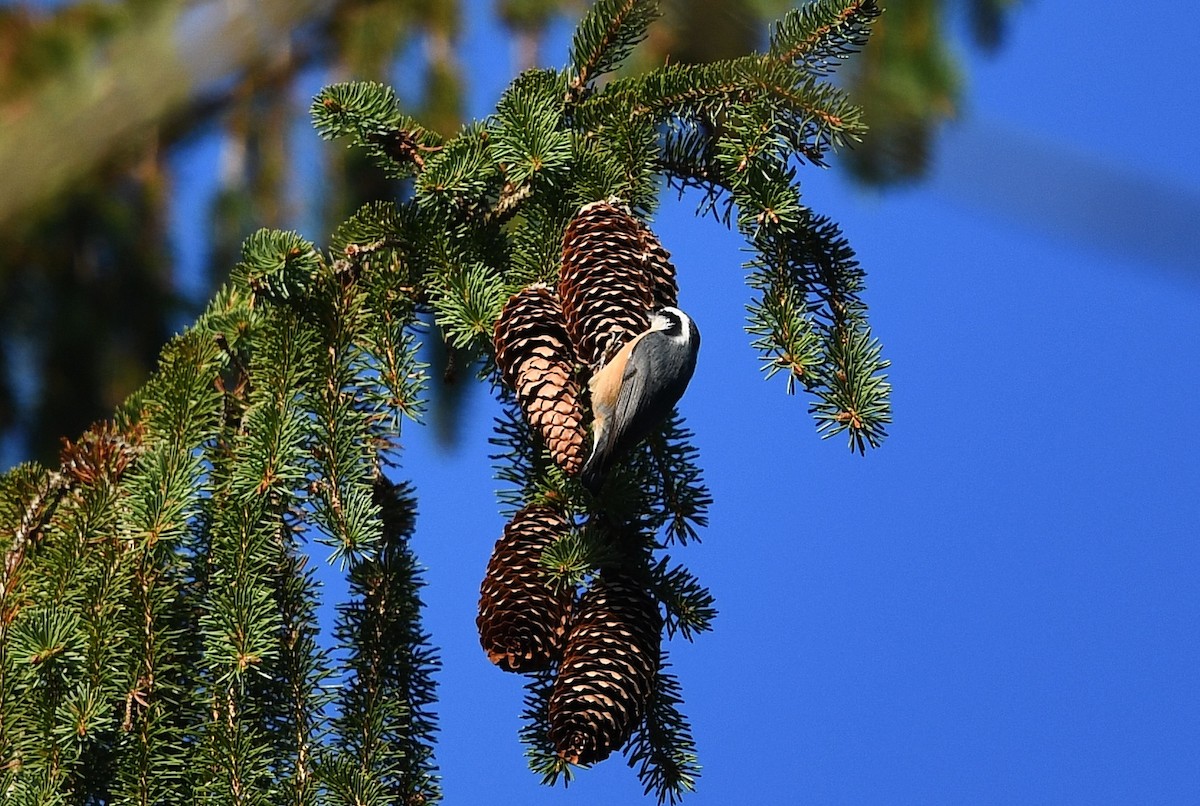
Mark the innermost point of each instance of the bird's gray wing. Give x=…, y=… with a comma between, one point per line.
x=632, y=415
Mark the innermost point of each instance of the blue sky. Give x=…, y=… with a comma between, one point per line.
x=1001, y=604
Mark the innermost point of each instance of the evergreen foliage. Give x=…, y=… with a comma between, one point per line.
x=816, y=36
x=160, y=637
x=605, y=36
x=157, y=612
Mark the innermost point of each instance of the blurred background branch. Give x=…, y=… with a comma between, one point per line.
x=122, y=71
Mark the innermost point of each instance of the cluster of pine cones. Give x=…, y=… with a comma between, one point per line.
x=604, y=643
x=614, y=273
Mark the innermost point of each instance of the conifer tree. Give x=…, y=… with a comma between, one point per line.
x=158, y=636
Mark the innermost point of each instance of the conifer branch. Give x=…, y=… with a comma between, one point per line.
x=662, y=750
x=381, y=241
x=369, y=113
x=158, y=637
x=462, y=175
x=512, y=197
x=468, y=300
x=689, y=605
x=571, y=559
x=529, y=141
x=181, y=410
x=34, y=494
x=344, y=449
x=779, y=318
x=821, y=110
x=817, y=34
x=537, y=244
x=606, y=35
x=854, y=397
x=540, y=754
x=522, y=463
x=679, y=483
x=812, y=322
x=304, y=670
x=263, y=462
x=384, y=731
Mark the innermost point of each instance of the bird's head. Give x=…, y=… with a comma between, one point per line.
x=674, y=323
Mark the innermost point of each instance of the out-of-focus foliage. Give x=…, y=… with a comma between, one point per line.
x=87, y=272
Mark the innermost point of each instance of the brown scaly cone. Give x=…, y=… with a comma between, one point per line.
x=608, y=670
x=657, y=260
x=522, y=620
x=103, y=452
x=534, y=355
x=605, y=287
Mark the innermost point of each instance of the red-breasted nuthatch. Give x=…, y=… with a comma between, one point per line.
x=634, y=391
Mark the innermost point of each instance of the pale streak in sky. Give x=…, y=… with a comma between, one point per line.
x=1059, y=191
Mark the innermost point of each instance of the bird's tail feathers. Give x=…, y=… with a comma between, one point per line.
x=592, y=475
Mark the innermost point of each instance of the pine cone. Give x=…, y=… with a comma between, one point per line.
x=604, y=285
x=103, y=452
x=661, y=271
x=607, y=672
x=534, y=352
x=522, y=620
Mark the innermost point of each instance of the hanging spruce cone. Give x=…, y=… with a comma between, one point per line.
x=604, y=284
x=522, y=620
x=534, y=353
x=607, y=672
x=661, y=271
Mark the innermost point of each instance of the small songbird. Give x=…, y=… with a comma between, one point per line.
x=634, y=391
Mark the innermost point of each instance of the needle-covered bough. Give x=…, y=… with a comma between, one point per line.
x=594, y=353
x=158, y=622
